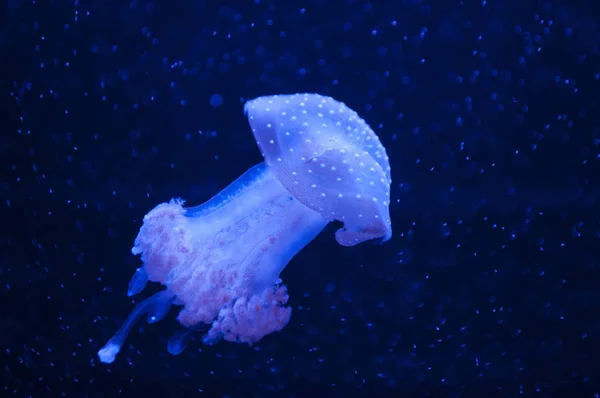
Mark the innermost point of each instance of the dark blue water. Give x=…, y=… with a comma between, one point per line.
x=489, y=111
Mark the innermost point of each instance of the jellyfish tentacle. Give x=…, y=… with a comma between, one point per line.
x=160, y=309
x=113, y=346
x=138, y=282
x=179, y=340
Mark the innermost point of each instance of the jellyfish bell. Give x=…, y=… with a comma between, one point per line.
x=328, y=158
x=221, y=260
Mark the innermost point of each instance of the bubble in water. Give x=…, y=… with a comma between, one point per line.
x=216, y=100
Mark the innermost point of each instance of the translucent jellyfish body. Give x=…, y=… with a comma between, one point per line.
x=221, y=260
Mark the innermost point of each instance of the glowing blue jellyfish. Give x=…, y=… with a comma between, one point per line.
x=221, y=260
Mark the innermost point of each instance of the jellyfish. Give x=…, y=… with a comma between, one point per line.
x=221, y=261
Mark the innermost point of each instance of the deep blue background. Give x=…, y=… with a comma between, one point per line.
x=489, y=113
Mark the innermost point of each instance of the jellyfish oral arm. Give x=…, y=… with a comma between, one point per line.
x=222, y=260
x=257, y=223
